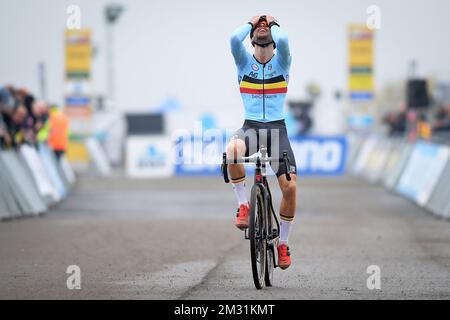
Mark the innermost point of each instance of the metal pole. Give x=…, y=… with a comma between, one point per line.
x=42, y=80
x=112, y=13
x=110, y=62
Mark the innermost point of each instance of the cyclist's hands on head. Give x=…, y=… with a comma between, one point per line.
x=270, y=19
x=255, y=20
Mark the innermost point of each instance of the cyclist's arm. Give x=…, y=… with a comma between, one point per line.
x=237, y=47
x=281, y=40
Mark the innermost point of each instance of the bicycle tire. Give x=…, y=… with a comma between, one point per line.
x=270, y=254
x=255, y=231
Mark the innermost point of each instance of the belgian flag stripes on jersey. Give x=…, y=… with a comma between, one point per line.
x=267, y=86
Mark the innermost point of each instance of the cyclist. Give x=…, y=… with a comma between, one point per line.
x=263, y=79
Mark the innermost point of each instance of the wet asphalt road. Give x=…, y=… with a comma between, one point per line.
x=175, y=239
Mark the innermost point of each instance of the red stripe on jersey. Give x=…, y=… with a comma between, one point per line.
x=265, y=91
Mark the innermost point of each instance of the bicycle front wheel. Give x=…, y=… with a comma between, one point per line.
x=256, y=231
x=270, y=255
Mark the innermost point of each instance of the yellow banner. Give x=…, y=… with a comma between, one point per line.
x=361, y=53
x=358, y=82
x=360, y=62
x=78, y=51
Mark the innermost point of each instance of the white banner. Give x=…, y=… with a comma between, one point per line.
x=149, y=157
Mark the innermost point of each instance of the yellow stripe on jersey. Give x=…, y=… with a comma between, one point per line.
x=276, y=85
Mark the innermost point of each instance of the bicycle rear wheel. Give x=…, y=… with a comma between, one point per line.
x=256, y=231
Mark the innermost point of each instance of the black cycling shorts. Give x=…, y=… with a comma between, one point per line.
x=271, y=134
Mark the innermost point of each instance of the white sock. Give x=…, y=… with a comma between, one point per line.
x=285, y=226
x=239, y=190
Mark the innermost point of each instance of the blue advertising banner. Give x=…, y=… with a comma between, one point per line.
x=315, y=155
x=320, y=156
x=199, y=155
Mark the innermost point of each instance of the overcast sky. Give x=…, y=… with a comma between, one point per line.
x=181, y=48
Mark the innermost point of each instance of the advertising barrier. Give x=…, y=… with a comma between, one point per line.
x=419, y=171
x=24, y=189
x=377, y=160
x=447, y=211
x=67, y=170
x=440, y=199
x=363, y=156
x=29, y=179
x=392, y=160
x=422, y=172
x=39, y=174
x=398, y=163
x=9, y=206
x=98, y=156
x=354, y=143
x=49, y=161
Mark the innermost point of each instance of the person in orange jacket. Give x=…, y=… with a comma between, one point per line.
x=58, y=138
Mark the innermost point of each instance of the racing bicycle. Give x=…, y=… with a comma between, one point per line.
x=264, y=227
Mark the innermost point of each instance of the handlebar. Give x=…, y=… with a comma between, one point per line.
x=254, y=159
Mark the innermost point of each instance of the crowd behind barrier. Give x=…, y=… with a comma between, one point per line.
x=34, y=171
x=419, y=171
x=435, y=121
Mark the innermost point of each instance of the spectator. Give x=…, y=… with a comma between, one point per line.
x=6, y=108
x=21, y=116
x=442, y=120
x=37, y=116
x=59, y=132
x=14, y=124
x=396, y=122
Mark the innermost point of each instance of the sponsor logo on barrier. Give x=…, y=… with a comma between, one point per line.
x=149, y=156
x=152, y=158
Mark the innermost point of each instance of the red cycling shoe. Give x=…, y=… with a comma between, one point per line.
x=284, y=256
x=242, y=216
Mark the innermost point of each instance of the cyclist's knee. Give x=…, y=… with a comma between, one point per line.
x=289, y=189
x=236, y=148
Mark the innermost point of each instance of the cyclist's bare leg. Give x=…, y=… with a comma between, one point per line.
x=236, y=149
x=287, y=214
x=289, y=191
